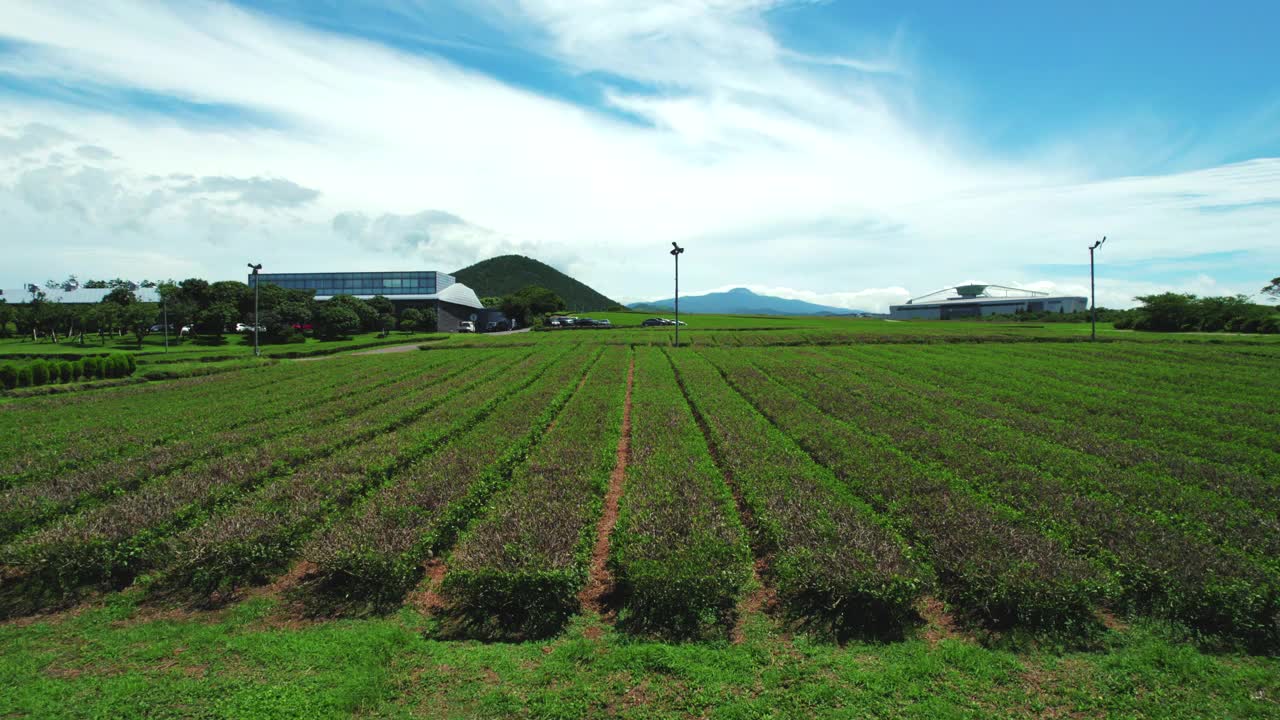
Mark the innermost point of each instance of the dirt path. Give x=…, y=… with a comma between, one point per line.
x=600, y=581
x=426, y=598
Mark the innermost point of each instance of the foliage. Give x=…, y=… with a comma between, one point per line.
x=366, y=315
x=333, y=320
x=1180, y=312
x=529, y=303
x=679, y=552
x=412, y=320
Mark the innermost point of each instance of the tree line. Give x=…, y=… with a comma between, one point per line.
x=198, y=307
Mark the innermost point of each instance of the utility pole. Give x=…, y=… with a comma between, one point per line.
x=676, y=251
x=255, y=268
x=1093, y=301
x=164, y=300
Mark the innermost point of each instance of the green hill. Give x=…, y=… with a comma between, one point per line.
x=508, y=273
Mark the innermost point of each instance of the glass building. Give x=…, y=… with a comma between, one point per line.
x=393, y=285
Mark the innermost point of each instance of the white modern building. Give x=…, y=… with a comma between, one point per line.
x=971, y=301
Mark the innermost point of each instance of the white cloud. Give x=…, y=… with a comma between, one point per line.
x=778, y=170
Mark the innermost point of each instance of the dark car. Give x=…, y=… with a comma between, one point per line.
x=653, y=322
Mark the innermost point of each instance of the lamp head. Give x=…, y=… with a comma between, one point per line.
x=1098, y=244
x=255, y=268
x=676, y=249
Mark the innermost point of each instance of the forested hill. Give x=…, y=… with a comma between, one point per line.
x=508, y=273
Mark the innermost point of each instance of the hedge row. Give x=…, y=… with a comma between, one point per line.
x=517, y=572
x=990, y=566
x=51, y=438
x=49, y=372
x=1120, y=519
x=114, y=542
x=30, y=505
x=255, y=538
x=679, y=552
x=832, y=558
x=372, y=558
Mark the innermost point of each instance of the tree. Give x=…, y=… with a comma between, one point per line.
x=1168, y=312
x=106, y=317
x=411, y=320
x=215, y=319
x=7, y=315
x=365, y=314
x=530, y=302
x=121, y=296
x=1273, y=289
x=382, y=305
x=491, y=302
x=138, y=318
x=334, y=320
x=294, y=312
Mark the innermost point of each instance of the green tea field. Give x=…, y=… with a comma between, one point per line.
x=962, y=520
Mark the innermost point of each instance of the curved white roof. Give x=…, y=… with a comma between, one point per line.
x=457, y=293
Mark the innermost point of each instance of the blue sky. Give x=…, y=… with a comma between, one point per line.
x=846, y=153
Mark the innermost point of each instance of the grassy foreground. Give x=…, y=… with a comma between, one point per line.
x=254, y=660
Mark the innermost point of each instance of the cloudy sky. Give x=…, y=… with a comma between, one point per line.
x=850, y=153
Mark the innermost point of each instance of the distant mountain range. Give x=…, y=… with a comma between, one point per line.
x=741, y=301
x=506, y=274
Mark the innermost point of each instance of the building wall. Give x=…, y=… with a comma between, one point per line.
x=388, y=284
x=449, y=315
x=961, y=310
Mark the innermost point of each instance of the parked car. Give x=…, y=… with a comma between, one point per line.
x=303, y=326
x=160, y=328
x=466, y=326
x=491, y=326
x=243, y=327
x=654, y=322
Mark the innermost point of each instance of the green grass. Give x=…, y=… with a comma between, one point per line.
x=250, y=661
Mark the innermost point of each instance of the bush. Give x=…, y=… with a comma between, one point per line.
x=39, y=373
x=333, y=321
x=24, y=376
x=65, y=371
x=77, y=369
x=8, y=376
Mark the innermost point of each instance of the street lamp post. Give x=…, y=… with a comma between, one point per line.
x=1093, y=301
x=676, y=251
x=255, y=269
x=164, y=300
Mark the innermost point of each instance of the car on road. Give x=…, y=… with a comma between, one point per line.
x=160, y=328
x=466, y=326
x=654, y=322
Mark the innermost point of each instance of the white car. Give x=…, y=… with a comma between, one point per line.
x=466, y=326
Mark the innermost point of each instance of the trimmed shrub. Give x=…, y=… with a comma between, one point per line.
x=65, y=371
x=8, y=376
x=39, y=373
x=24, y=376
